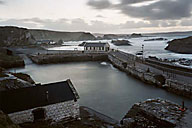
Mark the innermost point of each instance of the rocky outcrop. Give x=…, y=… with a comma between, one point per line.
x=24, y=77
x=181, y=45
x=15, y=36
x=135, y=35
x=9, y=60
x=156, y=39
x=9, y=81
x=10, y=84
x=156, y=113
x=5, y=121
x=65, y=36
x=121, y=42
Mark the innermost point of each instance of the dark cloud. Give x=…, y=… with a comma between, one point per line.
x=99, y=4
x=134, y=1
x=2, y=2
x=157, y=10
x=161, y=10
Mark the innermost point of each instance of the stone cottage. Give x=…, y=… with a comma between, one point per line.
x=96, y=47
x=54, y=101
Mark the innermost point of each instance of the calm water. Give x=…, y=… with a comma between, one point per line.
x=101, y=87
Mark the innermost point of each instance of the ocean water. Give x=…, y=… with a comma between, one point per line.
x=151, y=48
x=100, y=85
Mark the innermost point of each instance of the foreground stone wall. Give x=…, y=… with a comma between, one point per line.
x=55, y=112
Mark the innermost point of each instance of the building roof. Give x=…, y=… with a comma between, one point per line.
x=37, y=96
x=95, y=44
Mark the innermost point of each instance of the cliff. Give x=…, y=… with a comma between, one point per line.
x=181, y=45
x=15, y=36
x=65, y=36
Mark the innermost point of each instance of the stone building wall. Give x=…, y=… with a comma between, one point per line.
x=55, y=112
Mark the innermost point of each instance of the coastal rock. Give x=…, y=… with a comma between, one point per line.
x=181, y=45
x=10, y=84
x=24, y=77
x=121, y=42
x=9, y=60
x=156, y=39
x=154, y=113
x=135, y=35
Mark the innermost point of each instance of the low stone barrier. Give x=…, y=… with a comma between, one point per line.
x=73, y=57
x=147, y=77
x=178, y=87
x=151, y=78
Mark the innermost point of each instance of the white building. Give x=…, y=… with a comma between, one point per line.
x=96, y=47
x=54, y=101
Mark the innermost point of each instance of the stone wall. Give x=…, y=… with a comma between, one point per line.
x=69, y=57
x=174, y=86
x=178, y=87
x=147, y=77
x=55, y=112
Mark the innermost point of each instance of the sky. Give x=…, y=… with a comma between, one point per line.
x=99, y=16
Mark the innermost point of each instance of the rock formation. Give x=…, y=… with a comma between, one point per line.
x=135, y=35
x=121, y=42
x=156, y=113
x=180, y=45
x=156, y=39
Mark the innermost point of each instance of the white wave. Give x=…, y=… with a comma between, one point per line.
x=104, y=63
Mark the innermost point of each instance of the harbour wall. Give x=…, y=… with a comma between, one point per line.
x=177, y=87
x=125, y=63
x=68, y=57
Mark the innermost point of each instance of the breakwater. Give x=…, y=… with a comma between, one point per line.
x=67, y=57
x=127, y=64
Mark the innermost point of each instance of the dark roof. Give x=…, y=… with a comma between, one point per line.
x=31, y=97
x=95, y=44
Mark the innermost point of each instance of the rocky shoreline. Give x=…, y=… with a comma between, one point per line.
x=180, y=45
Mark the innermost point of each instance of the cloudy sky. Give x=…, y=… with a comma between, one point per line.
x=99, y=16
